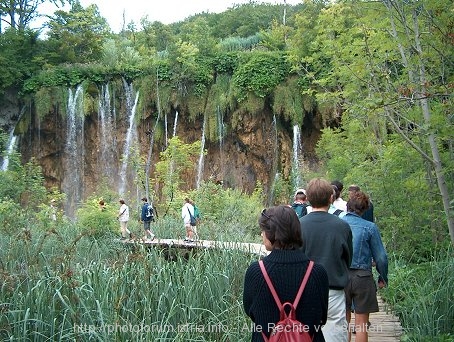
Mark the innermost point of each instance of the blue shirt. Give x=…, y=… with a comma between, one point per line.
x=367, y=244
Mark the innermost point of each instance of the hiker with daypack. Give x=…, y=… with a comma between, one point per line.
x=300, y=203
x=187, y=214
x=198, y=218
x=147, y=216
x=286, y=267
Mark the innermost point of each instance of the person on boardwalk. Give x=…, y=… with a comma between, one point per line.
x=147, y=217
x=286, y=266
x=368, y=214
x=123, y=217
x=367, y=246
x=328, y=240
x=338, y=202
x=198, y=218
x=187, y=214
x=300, y=203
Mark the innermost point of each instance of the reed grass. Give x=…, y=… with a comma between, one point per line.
x=61, y=286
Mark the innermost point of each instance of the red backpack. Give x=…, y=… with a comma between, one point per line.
x=288, y=329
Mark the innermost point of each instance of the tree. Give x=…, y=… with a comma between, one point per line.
x=18, y=14
x=77, y=36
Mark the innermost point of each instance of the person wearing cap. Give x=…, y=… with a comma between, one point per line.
x=300, y=203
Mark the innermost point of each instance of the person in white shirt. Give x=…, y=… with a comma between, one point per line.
x=339, y=203
x=123, y=217
x=186, y=212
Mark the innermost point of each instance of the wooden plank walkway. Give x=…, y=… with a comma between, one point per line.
x=385, y=326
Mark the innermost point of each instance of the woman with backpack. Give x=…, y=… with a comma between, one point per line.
x=289, y=271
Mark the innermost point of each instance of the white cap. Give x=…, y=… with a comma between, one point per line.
x=299, y=191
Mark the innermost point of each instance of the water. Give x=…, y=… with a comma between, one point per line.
x=201, y=158
x=107, y=142
x=72, y=183
x=131, y=133
x=175, y=124
x=297, y=148
x=220, y=124
x=11, y=147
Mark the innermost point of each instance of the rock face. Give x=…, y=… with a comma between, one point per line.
x=255, y=150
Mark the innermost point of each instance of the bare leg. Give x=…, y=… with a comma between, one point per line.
x=361, y=327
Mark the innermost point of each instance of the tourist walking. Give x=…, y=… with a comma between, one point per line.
x=147, y=216
x=328, y=240
x=123, y=217
x=286, y=266
x=367, y=246
x=187, y=214
x=300, y=203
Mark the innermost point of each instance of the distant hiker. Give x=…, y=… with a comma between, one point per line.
x=102, y=205
x=197, y=217
x=53, y=210
x=300, y=203
x=334, y=210
x=146, y=217
x=187, y=214
x=123, y=217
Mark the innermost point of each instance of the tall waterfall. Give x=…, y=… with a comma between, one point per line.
x=201, y=158
x=11, y=147
x=297, y=148
x=175, y=124
x=275, y=156
x=72, y=183
x=131, y=134
x=166, y=130
x=220, y=124
x=107, y=142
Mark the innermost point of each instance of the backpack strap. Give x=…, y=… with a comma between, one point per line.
x=273, y=291
x=337, y=212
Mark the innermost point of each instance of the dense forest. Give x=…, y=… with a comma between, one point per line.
x=376, y=78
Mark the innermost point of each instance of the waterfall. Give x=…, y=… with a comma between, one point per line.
x=11, y=147
x=166, y=130
x=220, y=124
x=296, y=156
x=175, y=124
x=275, y=156
x=107, y=144
x=131, y=134
x=202, y=148
x=72, y=183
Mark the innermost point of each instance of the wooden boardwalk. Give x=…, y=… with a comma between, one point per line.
x=385, y=326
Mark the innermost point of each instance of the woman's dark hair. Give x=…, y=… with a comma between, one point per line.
x=358, y=202
x=282, y=227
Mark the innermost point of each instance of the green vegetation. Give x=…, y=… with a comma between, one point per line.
x=375, y=77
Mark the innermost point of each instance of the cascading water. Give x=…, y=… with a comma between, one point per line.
x=275, y=163
x=166, y=130
x=175, y=124
x=11, y=147
x=297, y=147
x=107, y=143
x=72, y=184
x=220, y=123
x=201, y=158
x=131, y=134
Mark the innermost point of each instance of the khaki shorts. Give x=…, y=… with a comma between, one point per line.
x=361, y=291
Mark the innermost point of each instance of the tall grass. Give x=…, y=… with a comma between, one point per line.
x=423, y=297
x=70, y=287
